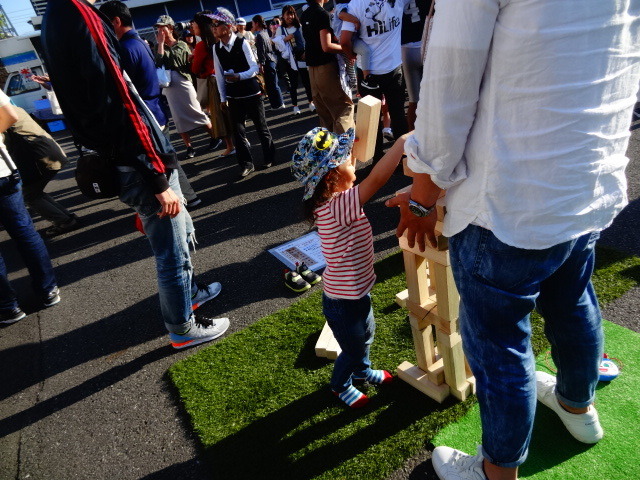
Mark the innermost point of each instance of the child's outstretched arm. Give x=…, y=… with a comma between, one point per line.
x=383, y=170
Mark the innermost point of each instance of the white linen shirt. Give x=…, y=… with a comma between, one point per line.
x=524, y=115
x=251, y=60
x=5, y=171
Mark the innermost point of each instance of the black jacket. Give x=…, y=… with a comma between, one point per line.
x=82, y=56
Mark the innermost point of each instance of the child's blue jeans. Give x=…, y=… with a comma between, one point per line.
x=353, y=327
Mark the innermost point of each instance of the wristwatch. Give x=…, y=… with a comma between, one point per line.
x=419, y=210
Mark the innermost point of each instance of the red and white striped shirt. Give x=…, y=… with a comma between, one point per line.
x=347, y=246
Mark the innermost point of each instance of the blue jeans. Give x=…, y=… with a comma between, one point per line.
x=169, y=238
x=499, y=286
x=17, y=222
x=274, y=93
x=353, y=327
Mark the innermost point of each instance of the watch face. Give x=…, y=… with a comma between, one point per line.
x=416, y=210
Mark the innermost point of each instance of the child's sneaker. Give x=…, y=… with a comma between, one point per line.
x=295, y=282
x=308, y=275
x=369, y=83
x=387, y=133
x=204, y=294
x=376, y=377
x=353, y=397
x=202, y=330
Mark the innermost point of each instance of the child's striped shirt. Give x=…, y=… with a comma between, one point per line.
x=347, y=246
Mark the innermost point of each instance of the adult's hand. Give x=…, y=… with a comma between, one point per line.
x=170, y=203
x=419, y=229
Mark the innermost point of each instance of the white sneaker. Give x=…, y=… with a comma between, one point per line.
x=204, y=294
x=201, y=330
x=296, y=110
x=387, y=133
x=452, y=464
x=585, y=427
x=312, y=107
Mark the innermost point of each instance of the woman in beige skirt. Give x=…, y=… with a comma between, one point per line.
x=208, y=95
x=181, y=95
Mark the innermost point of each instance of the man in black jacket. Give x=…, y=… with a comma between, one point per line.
x=107, y=115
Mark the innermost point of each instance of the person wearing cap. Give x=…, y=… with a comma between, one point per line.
x=323, y=164
x=241, y=31
x=175, y=56
x=236, y=69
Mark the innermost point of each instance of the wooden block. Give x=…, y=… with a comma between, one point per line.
x=446, y=292
x=418, y=379
x=450, y=349
x=415, y=268
x=435, y=372
x=430, y=253
x=323, y=340
x=327, y=346
x=431, y=268
x=367, y=120
x=463, y=392
x=401, y=298
x=333, y=349
x=423, y=344
x=427, y=314
x=441, y=208
x=438, y=228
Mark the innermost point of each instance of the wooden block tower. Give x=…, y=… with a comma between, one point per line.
x=432, y=300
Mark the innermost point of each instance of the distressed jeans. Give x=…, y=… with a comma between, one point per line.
x=353, y=327
x=499, y=286
x=169, y=239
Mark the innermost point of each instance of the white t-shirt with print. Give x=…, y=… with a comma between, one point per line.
x=380, y=28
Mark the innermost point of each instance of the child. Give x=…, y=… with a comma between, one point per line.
x=323, y=164
x=341, y=14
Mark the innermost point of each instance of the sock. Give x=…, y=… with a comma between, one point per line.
x=353, y=397
x=377, y=377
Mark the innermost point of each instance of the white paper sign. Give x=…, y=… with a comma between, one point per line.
x=304, y=249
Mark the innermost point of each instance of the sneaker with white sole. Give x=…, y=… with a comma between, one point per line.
x=11, y=315
x=201, y=330
x=312, y=107
x=204, y=294
x=452, y=464
x=584, y=427
x=296, y=110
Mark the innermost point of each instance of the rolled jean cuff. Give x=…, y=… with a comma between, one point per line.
x=572, y=404
x=178, y=329
x=514, y=464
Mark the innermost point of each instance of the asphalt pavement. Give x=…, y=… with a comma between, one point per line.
x=83, y=385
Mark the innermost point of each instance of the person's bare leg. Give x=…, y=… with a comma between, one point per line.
x=494, y=472
x=186, y=138
x=228, y=140
x=577, y=411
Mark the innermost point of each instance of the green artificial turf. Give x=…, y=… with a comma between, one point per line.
x=554, y=454
x=260, y=404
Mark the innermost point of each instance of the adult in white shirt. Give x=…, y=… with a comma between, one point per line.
x=380, y=29
x=524, y=118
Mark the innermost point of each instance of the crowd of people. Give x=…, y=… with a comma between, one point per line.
x=487, y=63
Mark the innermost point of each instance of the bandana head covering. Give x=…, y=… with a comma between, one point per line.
x=318, y=152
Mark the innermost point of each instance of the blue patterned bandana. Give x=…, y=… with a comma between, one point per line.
x=318, y=152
